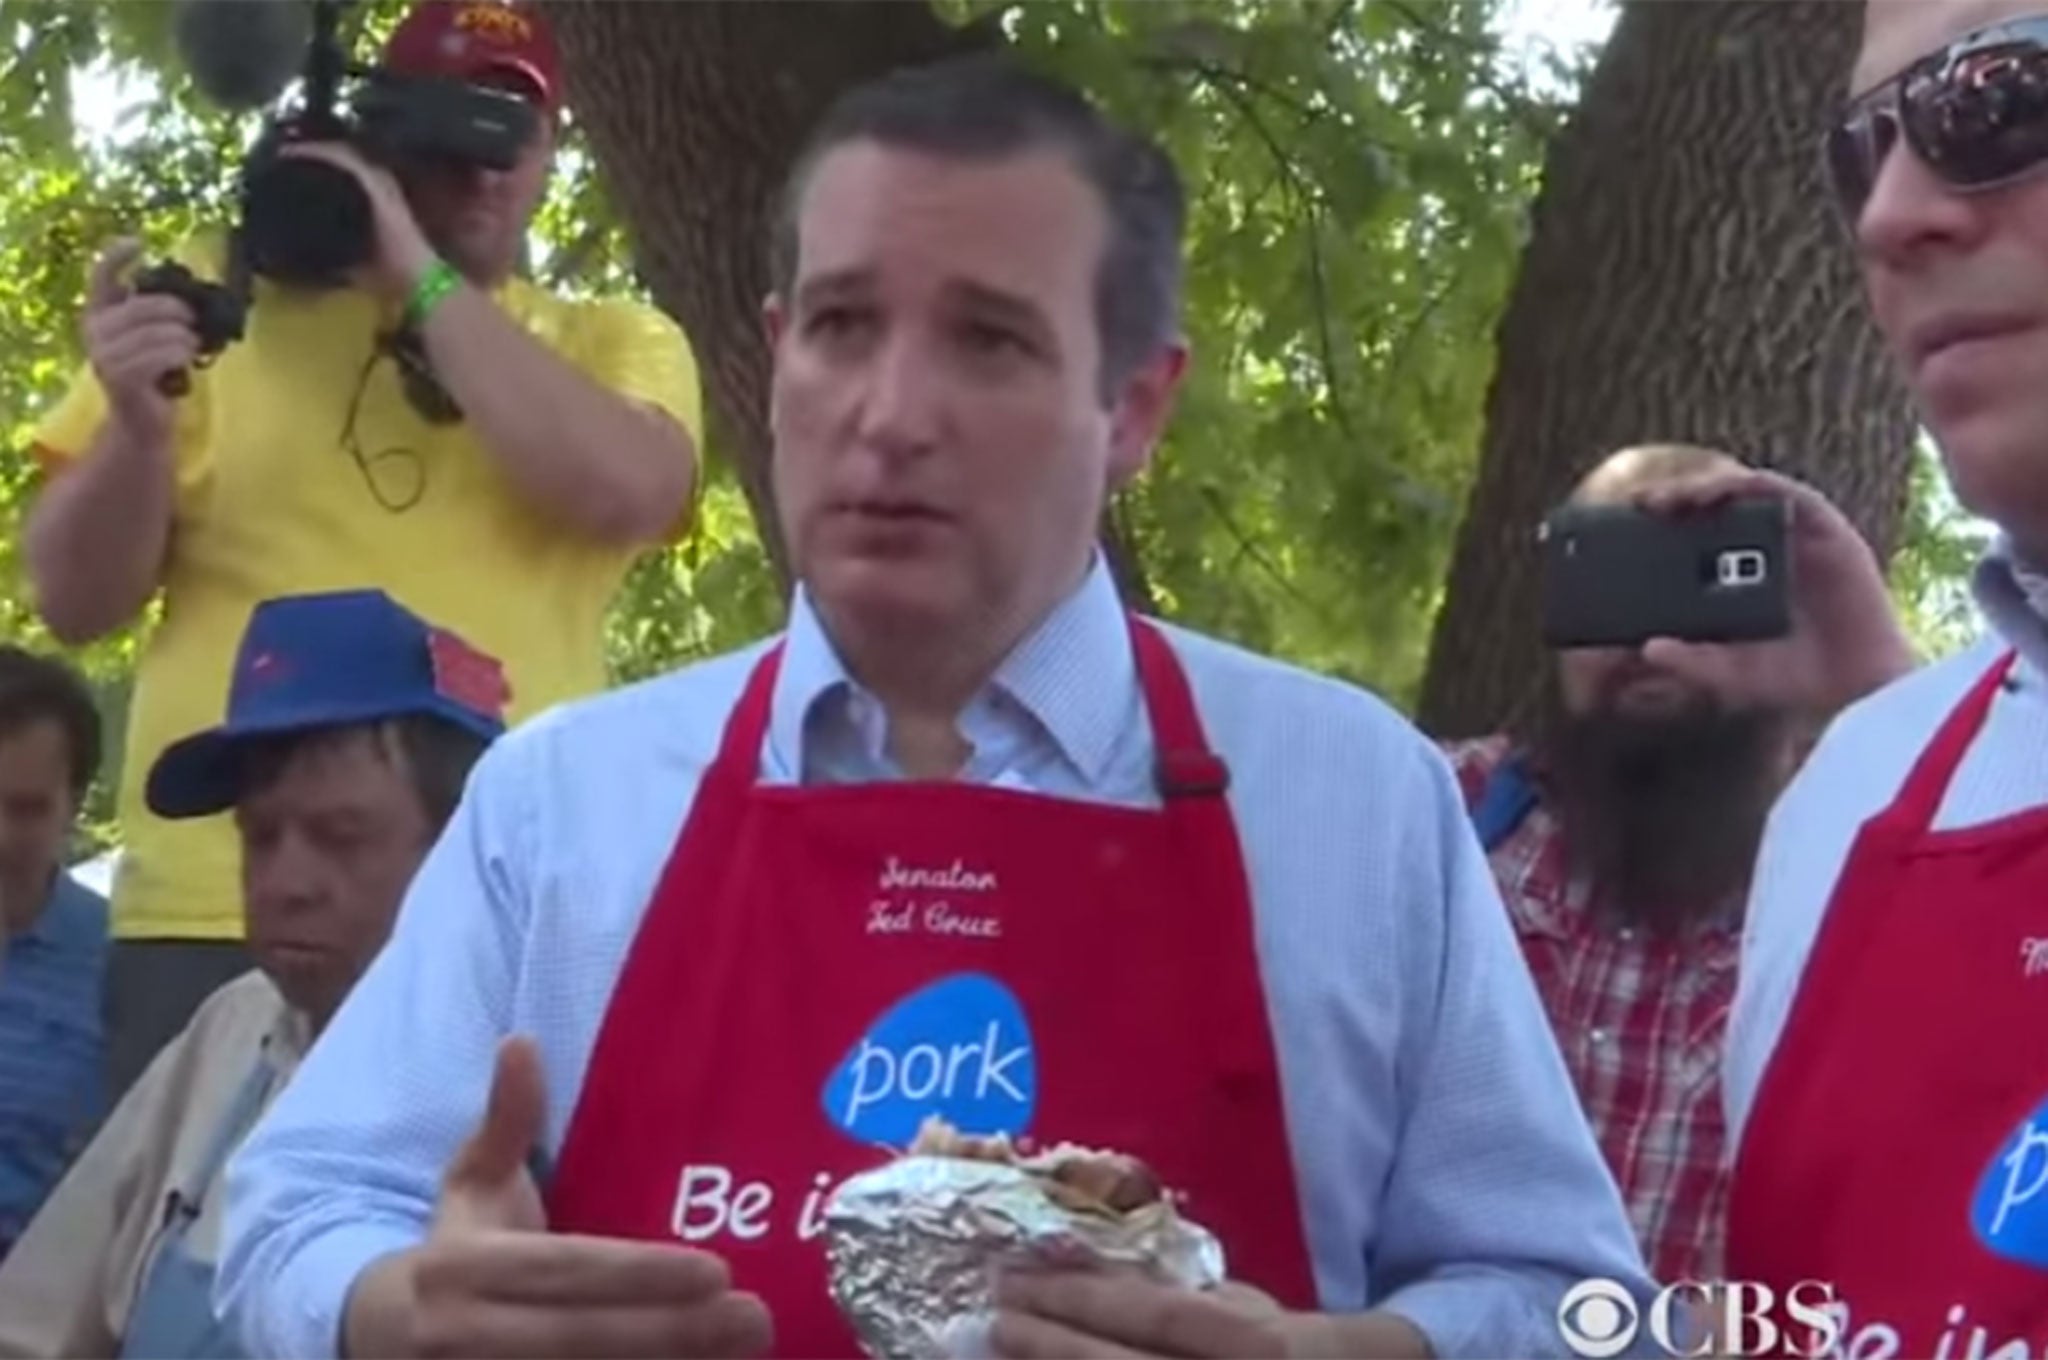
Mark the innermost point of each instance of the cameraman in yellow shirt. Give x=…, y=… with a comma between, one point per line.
x=488, y=454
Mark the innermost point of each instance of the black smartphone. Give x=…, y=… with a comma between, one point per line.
x=1617, y=576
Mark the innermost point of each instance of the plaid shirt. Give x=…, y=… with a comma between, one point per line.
x=1640, y=1022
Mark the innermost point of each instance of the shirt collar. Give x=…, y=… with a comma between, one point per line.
x=287, y=1034
x=288, y=1037
x=72, y=914
x=1073, y=673
x=2013, y=599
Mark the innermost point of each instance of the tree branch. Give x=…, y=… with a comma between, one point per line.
x=1249, y=549
x=571, y=260
x=1404, y=347
x=1125, y=568
x=1306, y=199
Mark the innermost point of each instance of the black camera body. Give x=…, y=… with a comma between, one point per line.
x=219, y=315
x=308, y=224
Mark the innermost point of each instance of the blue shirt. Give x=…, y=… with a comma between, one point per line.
x=51, y=1048
x=1444, y=1166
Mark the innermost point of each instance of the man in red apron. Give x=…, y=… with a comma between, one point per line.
x=967, y=839
x=1887, y=1068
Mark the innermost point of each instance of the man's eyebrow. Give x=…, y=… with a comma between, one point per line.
x=1018, y=311
x=837, y=284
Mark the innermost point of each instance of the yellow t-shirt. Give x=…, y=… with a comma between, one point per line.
x=274, y=498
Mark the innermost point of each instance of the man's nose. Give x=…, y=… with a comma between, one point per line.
x=900, y=401
x=1911, y=210
x=283, y=879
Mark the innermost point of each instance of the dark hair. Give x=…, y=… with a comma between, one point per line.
x=43, y=689
x=985, y=107
x=438, y=756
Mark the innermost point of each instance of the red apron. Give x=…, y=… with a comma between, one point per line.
x=1898, y=1147
x=822, y=967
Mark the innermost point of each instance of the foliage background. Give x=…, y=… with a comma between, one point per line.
x=1361, y=175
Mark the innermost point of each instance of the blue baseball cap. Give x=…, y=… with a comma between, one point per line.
x=333, y=660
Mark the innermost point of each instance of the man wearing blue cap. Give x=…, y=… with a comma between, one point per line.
x=351, y=728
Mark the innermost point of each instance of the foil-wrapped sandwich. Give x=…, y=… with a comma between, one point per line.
x=914, y=1244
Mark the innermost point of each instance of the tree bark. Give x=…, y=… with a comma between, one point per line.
x=1686, y=279
x=695, y=113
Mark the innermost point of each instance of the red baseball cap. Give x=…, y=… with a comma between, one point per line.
x=466, y=39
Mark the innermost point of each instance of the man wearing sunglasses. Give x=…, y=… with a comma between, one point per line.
x=443, y=430
x=1887, y=1066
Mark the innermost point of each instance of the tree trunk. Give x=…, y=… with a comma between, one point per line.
x=695, y=113
x=1686, y=279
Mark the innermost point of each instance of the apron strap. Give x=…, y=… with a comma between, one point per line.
x=1184, y=767
x=1927, y=783
x=739, y=751
x=1192, y=782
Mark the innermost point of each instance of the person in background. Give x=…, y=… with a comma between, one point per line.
x=1887, y=1067
x=53, y=933
x=489, y=454
x=1622, y=820
x=350, y=731
x=689, y=948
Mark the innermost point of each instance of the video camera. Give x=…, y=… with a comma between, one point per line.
x=305, y=223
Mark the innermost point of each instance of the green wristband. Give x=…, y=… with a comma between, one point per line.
x=437, y=281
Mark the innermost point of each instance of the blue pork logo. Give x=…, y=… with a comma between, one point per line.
x=959, y=1049
x=2009, y=1212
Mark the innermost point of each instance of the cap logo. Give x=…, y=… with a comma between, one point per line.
x=467, y=676
x=267, y=668
x=494, y=23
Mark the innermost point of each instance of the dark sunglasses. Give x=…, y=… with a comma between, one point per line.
x=1975, y=113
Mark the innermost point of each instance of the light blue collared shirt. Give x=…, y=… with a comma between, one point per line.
x=2013, y=598
x=1445, y=1169
x=1855, y=772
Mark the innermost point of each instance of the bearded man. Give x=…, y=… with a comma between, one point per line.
x=1622, y=817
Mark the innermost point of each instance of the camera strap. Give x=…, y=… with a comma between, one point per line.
x=239, y=276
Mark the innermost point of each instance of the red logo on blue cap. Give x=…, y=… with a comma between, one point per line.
x=467, y=676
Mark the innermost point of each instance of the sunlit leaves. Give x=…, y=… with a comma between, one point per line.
x=1359, y=176
x=1938, y=546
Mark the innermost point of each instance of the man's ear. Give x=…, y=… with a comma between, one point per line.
x=1144, y=403
x=773, y=319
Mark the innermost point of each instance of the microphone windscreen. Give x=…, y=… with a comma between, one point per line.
x=242, y=53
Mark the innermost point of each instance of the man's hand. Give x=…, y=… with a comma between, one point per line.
x=491, y=1281
x=402, y=252
x=1845, y=640
x=1078, y=1315
x=132, y=340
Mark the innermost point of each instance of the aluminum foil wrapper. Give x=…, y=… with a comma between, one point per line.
x=913, y=1248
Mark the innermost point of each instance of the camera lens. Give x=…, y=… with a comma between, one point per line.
x=306, y=223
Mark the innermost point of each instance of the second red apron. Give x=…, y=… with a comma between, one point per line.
x=822, y=967
x=1898, y=1148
